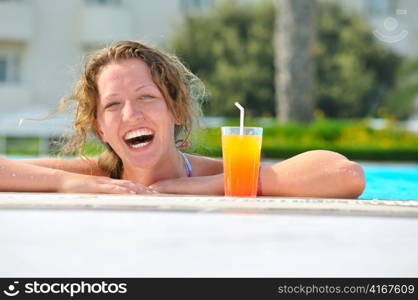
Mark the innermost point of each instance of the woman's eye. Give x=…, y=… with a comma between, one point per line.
x=147, y=97
x=110, y=105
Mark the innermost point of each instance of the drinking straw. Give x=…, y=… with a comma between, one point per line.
x=241, y=118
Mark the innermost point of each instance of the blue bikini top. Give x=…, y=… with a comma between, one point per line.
x=187, y=165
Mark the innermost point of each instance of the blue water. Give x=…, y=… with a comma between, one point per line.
x=397, y=182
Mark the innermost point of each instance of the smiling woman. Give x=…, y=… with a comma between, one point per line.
x=135, y=121
x=139, y=101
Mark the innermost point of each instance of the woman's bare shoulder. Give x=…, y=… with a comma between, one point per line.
x=205, y=166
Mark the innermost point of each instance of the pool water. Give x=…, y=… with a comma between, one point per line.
x=396, y=182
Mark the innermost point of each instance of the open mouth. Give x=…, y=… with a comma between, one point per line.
x=139, y=138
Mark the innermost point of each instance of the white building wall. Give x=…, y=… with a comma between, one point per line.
x=154, y=20
x=103, y=24
x=53, y=50
x=16, y=20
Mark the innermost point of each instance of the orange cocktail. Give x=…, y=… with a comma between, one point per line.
x=241, y=160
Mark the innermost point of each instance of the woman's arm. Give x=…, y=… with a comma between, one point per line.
x=319, y=173
x=86, y=166
x=21, y=177
x=199, y=185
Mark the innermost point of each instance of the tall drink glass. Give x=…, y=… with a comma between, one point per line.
x=241, y=160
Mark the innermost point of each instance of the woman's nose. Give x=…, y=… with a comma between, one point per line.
x=132, y=110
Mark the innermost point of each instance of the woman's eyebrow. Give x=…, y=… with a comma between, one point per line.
x=145, y=85
x=137, y=89
x=110, y=96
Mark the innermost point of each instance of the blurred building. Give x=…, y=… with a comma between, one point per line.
x=42, y=41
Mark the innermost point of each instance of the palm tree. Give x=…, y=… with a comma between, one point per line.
x=294, y=39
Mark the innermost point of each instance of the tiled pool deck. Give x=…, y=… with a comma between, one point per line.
x=69, y=235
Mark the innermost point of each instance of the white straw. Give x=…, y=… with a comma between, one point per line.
x=241, y=118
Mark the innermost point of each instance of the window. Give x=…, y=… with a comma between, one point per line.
x=9, y=68
x=104, y=2
x=2, y=69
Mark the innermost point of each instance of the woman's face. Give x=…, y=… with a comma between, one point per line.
x=132, y=115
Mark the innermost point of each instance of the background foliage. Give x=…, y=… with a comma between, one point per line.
x=231, y=49
x=400, y=101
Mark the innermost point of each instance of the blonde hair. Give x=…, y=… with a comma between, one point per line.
x=181, y=89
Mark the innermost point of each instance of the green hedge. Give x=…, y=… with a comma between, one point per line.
x=354, y=139
x=22, y=146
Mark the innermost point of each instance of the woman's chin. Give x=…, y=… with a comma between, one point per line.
x=148, y=162
x=147, y=157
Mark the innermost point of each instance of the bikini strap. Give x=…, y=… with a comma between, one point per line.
x=187, y=165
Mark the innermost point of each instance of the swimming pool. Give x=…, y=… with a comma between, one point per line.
x=397, y=182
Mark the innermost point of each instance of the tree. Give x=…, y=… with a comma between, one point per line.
x=294, y=59
x=402, y=101
x=354, y=71
x=231, y=50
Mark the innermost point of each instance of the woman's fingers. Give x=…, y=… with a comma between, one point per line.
x=76, y=183
x=107, y=188
x=127, y=187
x=110, y=188
x=158, y=187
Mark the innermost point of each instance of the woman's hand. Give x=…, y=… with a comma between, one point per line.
x=203, y=185
x=21, y=177
x=76, y=183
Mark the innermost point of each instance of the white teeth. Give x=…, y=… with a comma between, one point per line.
x=140, y=145
x=138, y=133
